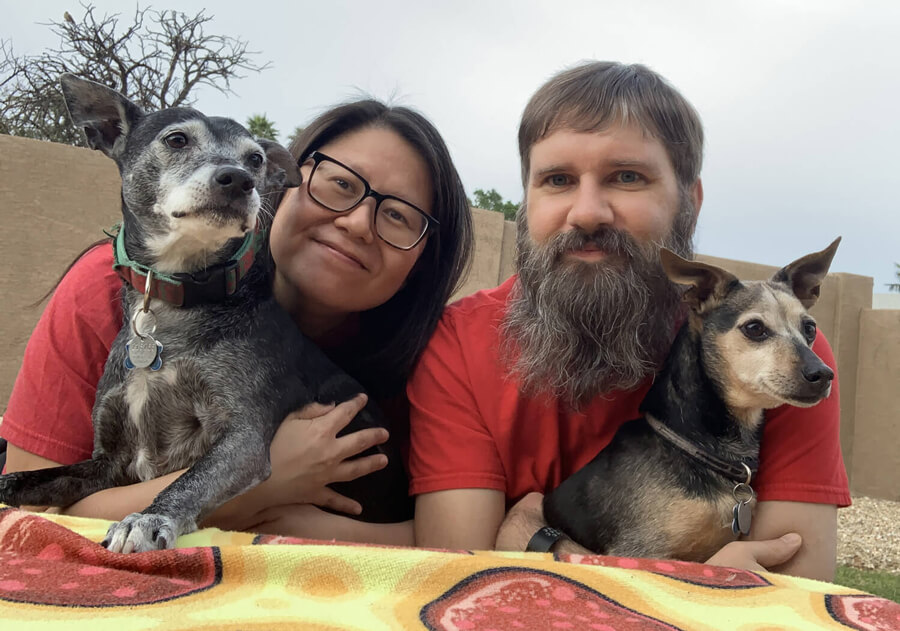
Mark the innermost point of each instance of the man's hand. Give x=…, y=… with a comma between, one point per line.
x=757, y=556
x=524, y=519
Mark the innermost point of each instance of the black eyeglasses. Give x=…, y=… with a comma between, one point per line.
x=339, y=188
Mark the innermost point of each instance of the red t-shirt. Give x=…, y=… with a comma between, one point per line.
x=49, y=411
x=470, y=427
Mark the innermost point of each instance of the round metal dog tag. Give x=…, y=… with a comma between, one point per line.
x=741, y=518
x=141, y=351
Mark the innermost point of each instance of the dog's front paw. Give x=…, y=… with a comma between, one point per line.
x=140, y=532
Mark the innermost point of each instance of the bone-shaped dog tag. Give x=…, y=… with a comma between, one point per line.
x=740, y=522
x=143, y=352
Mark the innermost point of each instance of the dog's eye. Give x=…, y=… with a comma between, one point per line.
x=755, y=330
x=176, y=140
x=809, y=331
x=255, y=160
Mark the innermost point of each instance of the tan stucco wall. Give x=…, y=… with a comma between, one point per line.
x=876, y=434
x=55, y=200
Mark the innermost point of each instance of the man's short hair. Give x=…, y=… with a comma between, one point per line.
x=592, y=96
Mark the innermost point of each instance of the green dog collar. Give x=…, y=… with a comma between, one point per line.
x=212, y=284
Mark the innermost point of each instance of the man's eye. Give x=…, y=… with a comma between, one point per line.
x=558, y=179
x=628, y=177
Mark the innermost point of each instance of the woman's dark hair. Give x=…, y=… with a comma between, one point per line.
x=393, y=335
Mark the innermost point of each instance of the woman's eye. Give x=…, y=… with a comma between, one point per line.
x=176, y=140
x=341, y=184
x=397, y=217
x=255, y=160
x=755, y=330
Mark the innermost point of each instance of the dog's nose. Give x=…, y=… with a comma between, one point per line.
x=815, y=374
x=233, y=181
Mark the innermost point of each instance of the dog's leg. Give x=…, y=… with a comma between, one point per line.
x=56, y=486
x=236, y=462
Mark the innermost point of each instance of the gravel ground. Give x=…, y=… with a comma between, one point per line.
x=869, y=535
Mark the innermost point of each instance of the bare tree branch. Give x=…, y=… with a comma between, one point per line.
x=158, y=60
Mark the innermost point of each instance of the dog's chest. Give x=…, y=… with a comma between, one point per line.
x=166, y=419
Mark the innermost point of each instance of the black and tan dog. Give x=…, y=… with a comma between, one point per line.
x=676, y=483
x=207, y=363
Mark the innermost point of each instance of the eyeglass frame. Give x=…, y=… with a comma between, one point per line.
x=318, y=157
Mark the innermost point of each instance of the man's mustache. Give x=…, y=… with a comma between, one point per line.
x=609, y=240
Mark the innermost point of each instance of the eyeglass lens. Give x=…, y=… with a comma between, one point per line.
x=336, y=188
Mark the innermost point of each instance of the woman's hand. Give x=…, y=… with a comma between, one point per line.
x=306, y=455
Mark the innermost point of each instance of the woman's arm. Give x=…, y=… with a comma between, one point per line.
x=306, y=455
x=112, y=504
x=308, y=522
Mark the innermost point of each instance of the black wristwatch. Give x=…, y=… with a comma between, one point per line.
x=544, y=539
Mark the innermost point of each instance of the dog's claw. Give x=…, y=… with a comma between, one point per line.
x=141, y=532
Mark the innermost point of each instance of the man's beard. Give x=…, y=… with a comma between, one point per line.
x=576, y=330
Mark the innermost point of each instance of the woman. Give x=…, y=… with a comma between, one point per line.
x=365, y=253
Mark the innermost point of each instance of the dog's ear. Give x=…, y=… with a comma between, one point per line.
x=708, y=283
x=281, y=168
x=105, y=115
x=805, y=275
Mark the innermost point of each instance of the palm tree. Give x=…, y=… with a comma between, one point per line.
x=261, y=127
x=895, y=286
x=299, y=129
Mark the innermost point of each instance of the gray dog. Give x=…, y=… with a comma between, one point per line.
x=206, y=364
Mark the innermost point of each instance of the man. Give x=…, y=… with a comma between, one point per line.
x=523, y=384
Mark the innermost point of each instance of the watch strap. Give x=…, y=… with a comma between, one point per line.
x=544, y=539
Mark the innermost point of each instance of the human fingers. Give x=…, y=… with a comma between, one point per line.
x=358, y=467
x=344, y=412
x=757, y=555
x=310, y=411
x=331, y=499
x=350, y=445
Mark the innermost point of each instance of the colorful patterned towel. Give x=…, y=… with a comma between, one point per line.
x=53, y=575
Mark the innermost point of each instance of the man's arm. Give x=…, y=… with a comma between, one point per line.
x=817, y=526
x=811, y=555
x=459, y=519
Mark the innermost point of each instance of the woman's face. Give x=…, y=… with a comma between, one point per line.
x=330, y=265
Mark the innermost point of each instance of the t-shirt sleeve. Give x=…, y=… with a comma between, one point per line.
x=800, y=457
x=450, y=444
x=49, y=410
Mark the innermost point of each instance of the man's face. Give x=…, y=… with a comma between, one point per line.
x=593, y=310
x=618, y=178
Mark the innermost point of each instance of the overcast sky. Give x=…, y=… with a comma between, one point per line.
x=799, y=98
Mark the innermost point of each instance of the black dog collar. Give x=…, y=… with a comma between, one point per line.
x=213, y=284
x=544, y=539
x=740, y=472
